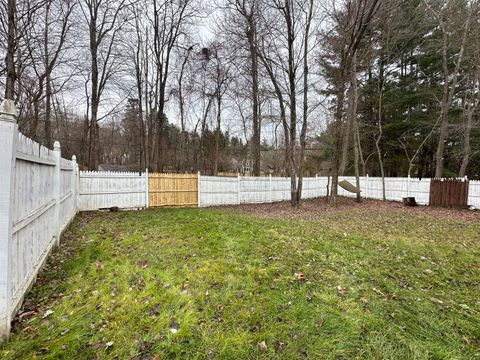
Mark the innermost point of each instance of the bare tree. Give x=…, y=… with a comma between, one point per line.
x=445, y=17
x=240, y=25
x=351, y=23
x=104, y=20
x=471, y=104
x=46, y=45
x=11, y=45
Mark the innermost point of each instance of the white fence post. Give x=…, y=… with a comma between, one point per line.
x=366, y=187
x=317, y=186
x=74, y=182
x=238, y=189
x=198, y=189
x=146, y=188
x=57, y=189
x=8, y=135
x=270, y=186
x=408, y=186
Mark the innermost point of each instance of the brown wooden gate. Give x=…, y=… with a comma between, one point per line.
x=178, y=190
x=450, y=193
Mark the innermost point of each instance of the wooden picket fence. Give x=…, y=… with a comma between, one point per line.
x=172, y=190
x=450, y=193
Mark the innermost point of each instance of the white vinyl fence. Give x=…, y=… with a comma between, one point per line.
x=125, y=190
x=395, y=188
x=37, y=201
x=217, y=190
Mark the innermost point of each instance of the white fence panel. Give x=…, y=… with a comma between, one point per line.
x=218, y=190
x=104, y=189
x=280, y=188
x=255, y=190
x=474, y=193
x=68, y=207
x=420, y=189
x=309, y=188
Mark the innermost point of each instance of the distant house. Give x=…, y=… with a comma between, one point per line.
x=112, y=167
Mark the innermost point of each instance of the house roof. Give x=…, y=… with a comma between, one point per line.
x=112, y=167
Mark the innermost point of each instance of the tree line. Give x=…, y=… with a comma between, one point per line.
x=290, y=87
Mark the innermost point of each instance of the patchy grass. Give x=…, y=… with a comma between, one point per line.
x=200, y=283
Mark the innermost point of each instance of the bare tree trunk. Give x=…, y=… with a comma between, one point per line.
x=93, y=126
x=217, y=133
x=337, y=138
x=448, y=91
x=48, y=82
x=10, y=57
x=347, y=132
x=292, y=92
x=471, y=107
x=252, y=43
x=48, y=111
x=353, y=113
x=378, y=137
x=303, y=132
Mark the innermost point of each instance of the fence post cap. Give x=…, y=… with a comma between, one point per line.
x=8, y=111
x=56, y=145
x=74, y=158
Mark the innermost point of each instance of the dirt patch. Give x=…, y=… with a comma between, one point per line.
x=312, y=209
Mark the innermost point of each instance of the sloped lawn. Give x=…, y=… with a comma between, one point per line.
x=201, y=283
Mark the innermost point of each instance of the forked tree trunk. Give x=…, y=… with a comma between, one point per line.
x=353, y=113
x=471, y=107
x=449, y=89
x=380, y=128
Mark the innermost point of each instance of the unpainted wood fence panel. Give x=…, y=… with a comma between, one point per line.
x=176, y=190
x=451, y=193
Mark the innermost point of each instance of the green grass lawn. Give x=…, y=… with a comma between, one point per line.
x=200, y=283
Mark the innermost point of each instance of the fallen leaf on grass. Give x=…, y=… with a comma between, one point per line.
x=278, y=346
x=378, y=291
x=341, y=290
x=254, y=328
x=262, y=347
x=300, y=277
x=143, y=264
x=96, y=346
x=436, y=301
x=47, y=313
x=174, y=326
x=364, y=300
